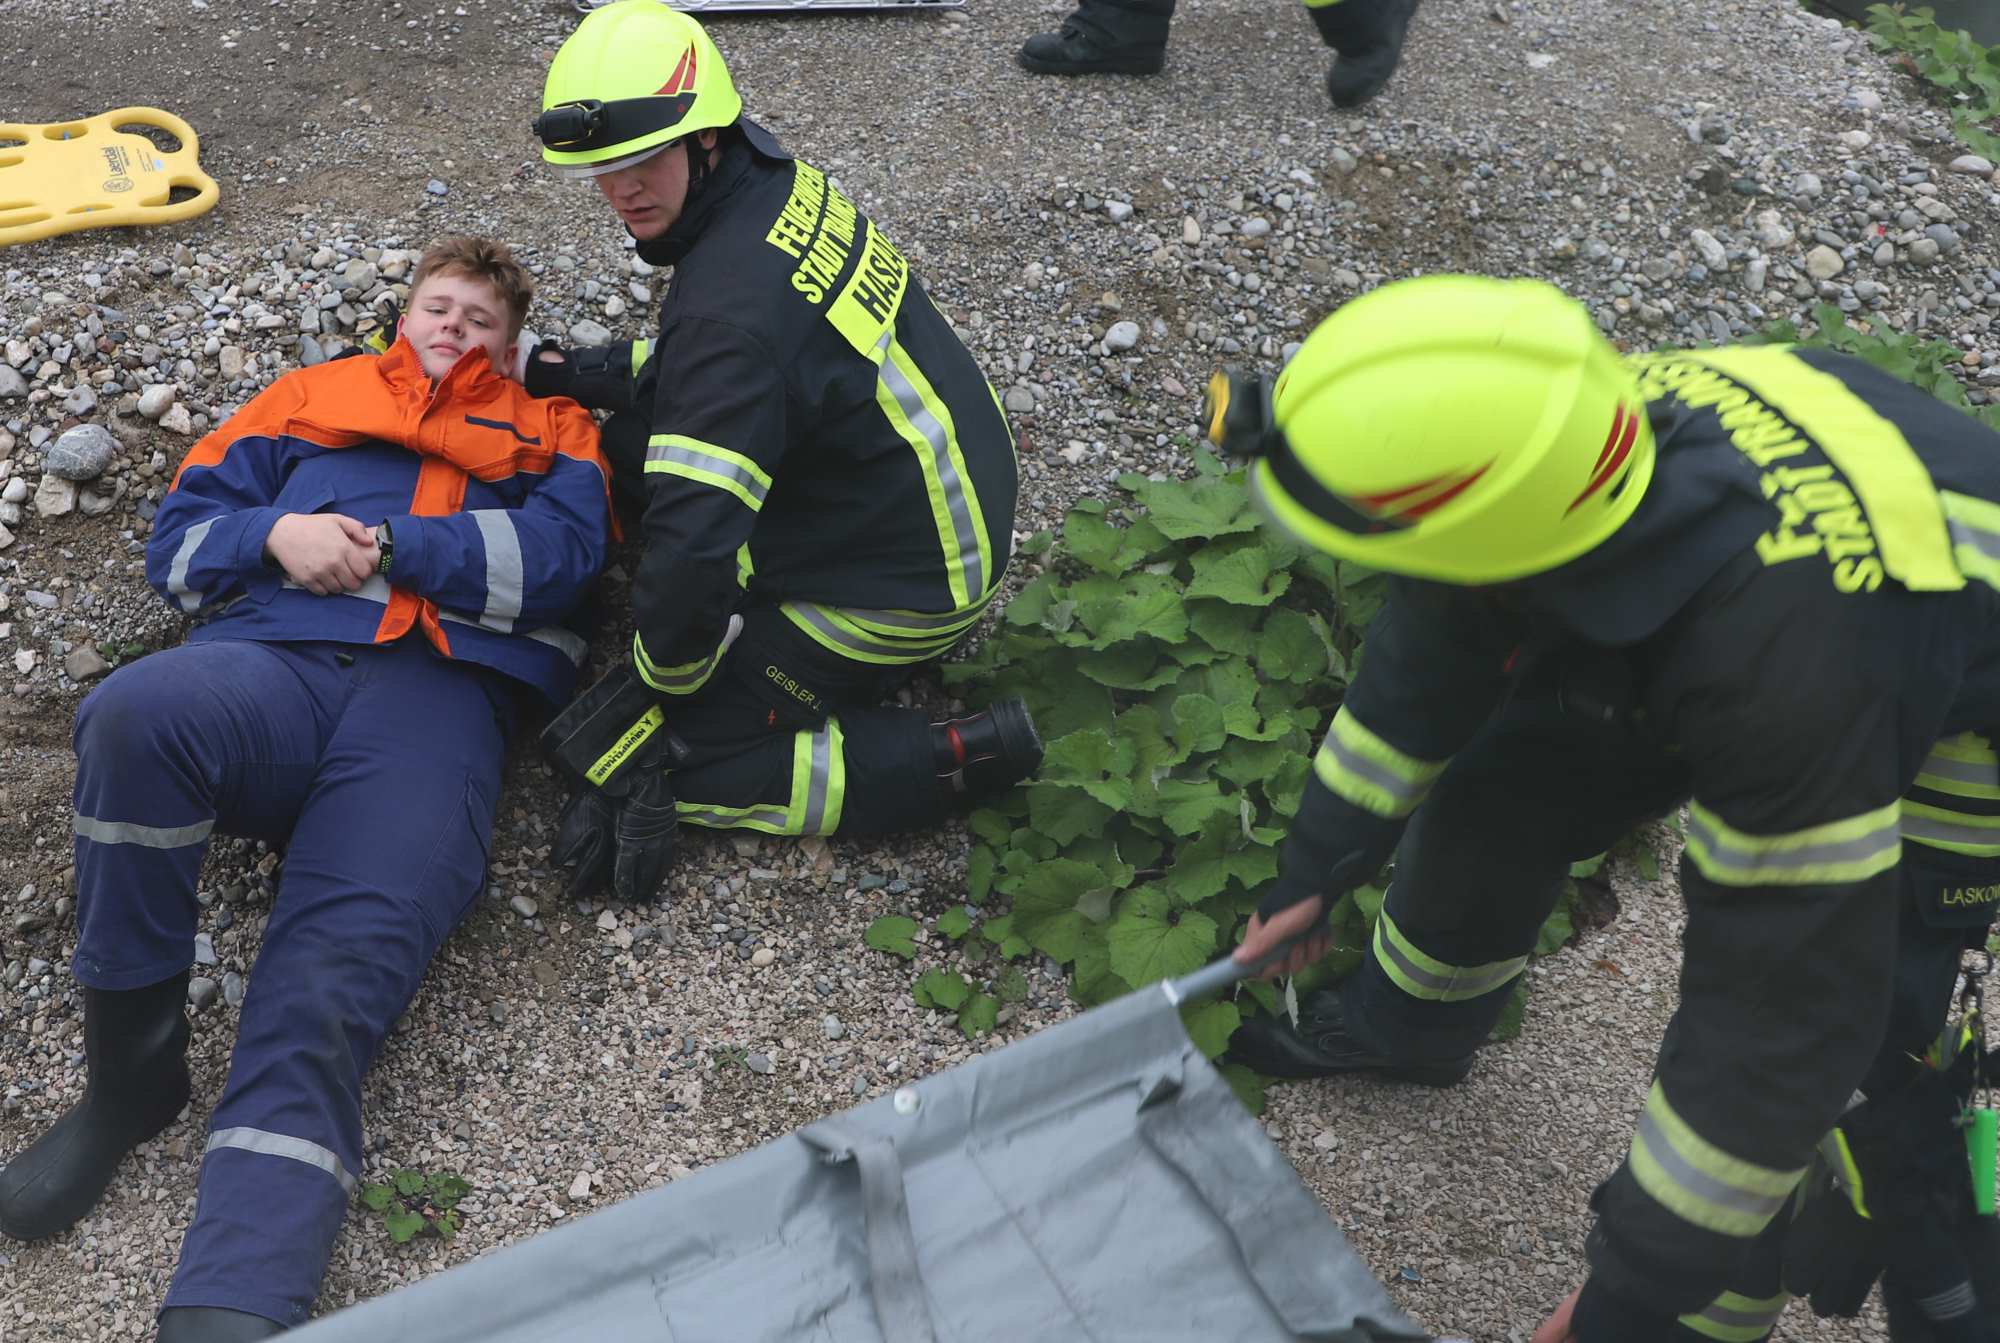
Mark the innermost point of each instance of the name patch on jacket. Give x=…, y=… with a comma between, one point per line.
x=817, y=228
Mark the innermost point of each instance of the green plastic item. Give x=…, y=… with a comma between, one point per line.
x=1980, y=1139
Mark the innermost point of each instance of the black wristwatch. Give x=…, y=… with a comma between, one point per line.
x=385, y=545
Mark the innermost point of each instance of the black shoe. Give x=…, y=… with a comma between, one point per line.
x=1321, y=1047
x=213, y=1324
x=988, y=751
x=1367, y=36
x=1103, y=37
x=135, y=1042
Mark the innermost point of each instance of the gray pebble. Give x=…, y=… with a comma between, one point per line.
x=1885, y=255
x=84, y=663
x=202, y=992
x=1117, y=211
x=80, y=402
x=232, y=989
x=524, y=906
x=1019, y=400
x=153, y=402
x=1924, y=251
x=12, y=385
x=833, y=1027
x=1944, y=236
x=587, y=332
x=204, y=949
x=1121, y=336
x=435, y=187
x=1713, y=254
x=82, y=453
x=759, y=1064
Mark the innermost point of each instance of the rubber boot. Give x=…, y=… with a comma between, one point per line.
x=1367, y=38
x=1116, y=37
x=981, y=754
x=135, y=1045
x=1321, y=1046
x=213, y=1324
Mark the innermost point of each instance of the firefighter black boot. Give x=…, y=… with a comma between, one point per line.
x=135, y=1046
x=1116, y=37
x=213, y=1324
x=979, y=755
x=1367, y=38
x=1322, y=1045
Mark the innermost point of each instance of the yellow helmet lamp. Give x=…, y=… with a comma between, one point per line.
x=1455, y=428
x=635, y=77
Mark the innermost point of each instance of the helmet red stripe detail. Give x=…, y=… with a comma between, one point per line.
x=673, y=84
x=1444, y=496
x=1617, y=447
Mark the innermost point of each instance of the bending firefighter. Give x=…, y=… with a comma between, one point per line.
x=1760, y=582
x=1129, y=37
x=827, y=480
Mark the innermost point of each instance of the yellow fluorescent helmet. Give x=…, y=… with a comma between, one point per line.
x=634, y=77
x=1455, y=428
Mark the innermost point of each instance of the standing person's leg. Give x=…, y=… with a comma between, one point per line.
x=787, y=739
x=212, y=736
x=1367, y=39
x=1477, y=873
x=389, y=852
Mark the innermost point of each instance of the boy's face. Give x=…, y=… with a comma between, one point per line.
x=650, y=194
x=450, y=314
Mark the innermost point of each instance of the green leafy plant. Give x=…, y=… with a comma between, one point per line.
x=892, y=933
x=1182, y=663
x=1928, y=364
x=1965, y=71
x=413, y=1203
x=117, y=653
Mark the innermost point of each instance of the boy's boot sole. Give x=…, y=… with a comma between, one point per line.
x=135, y=1041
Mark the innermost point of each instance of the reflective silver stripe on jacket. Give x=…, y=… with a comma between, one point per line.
x=504, y=578
x=814, y=820
x=949, y=481
x=265, y=1143
x=145, y=836
x=177, y=585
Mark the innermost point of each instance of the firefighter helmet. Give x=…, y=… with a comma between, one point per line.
x=1453, y=427
x=633, y=78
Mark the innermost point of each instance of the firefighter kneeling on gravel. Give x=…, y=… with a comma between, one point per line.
x=1757, y=581
x=827, y=482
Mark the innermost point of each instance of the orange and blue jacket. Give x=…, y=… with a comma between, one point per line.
x=497, y=506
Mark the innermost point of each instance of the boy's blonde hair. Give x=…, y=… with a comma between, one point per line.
x=485, y=260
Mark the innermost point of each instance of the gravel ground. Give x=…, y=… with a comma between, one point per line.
x=1688, y=169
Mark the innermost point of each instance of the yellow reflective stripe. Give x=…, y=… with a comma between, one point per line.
x=1841, y=1157
x=1895, y=489
x=630, y=740
x=684, y=679
x=922, y=419
x=835, y=629
x=1974, y=525
x=1735, y=1318
x=692, y=459
x=640, y=349
x=746, y=568
x=771, y=820
x=1839, y=851
x=1953, y=831
x=1964, y=766
x=818, y=793
x=1363, y=769
x=1426, y=977
x=1697, y=1181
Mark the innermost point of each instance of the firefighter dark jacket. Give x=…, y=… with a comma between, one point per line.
x=820, y=437
x=1805, y=605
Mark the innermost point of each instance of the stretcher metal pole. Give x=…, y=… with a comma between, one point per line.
x=1226, y=973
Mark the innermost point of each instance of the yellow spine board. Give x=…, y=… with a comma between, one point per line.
x=71, y=175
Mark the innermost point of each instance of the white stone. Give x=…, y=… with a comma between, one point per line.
x=24, y=660
x=1121, y=336
x=1116, y=211
x=1856, y=139
x=15, y=491
x=1971, y=165
x=762, y=957
x=6, y=537
x=587, y=332
x=1190, y=231
x=1713, y=254
x=1772, y=231
x=55, y=496
x=153, y=402
x=1823, y=263
x=579, y=1188
x=231, y=359
x=82, y=452
x=177, y=420
x=1754, y=275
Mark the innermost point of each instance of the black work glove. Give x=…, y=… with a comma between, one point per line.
x=585, y=840
x=548, y=377
x=644, y=840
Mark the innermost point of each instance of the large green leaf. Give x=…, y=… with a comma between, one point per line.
x=1205, y=508
x=1150, y=941
x=1046, y=905
x=946, y=989
x=1224, y=626
x=893, y=933
x=1131, y=666
x=1244, y=576
x=1061, y=813
x=1289, y=649
x=1188, y=806
x=1088, y=537
x=1091, y=759
x=1147, y=604
x=1210, y=1025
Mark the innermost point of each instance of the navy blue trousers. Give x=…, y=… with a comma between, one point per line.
x=378, y=769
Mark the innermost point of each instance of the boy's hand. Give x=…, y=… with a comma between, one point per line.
x=323, y=553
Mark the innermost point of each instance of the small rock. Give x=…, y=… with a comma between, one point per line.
x=202, y=992
x=310, y=352
x=1121, y=336
x=1867, y=100
x=1256, y=228
x=1856, y=139
x=1190, y=234
x=80, y=402
x=435, y=187
x=24, y=660
x=1971, y=165
x=232, y=989
x=15, y=491
x=1885, y=255
x=1823, y=263
x=177, y=420
x=1019, y=400
x=1345, y=163
x=231, y=359
x=1713, y=254
x=832, y=1027
x=204, y=949
x=579, y=1188
x=1117, y=211
x=85, y=664
x=55, y=496
x=1808, y=185
x=12, y=385
x=1772, y=231
x=759, y=1064
x=762, y=957
x=82, y=453
x=587, y=332
x=1944, y=236
x=524, y=906
x=1924, y=251
x=6, y=537
x=29, y=920
x=606, y=921
x=1755, y=274
x=153, y=402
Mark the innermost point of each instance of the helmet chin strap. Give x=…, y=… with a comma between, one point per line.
x=699, y=170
